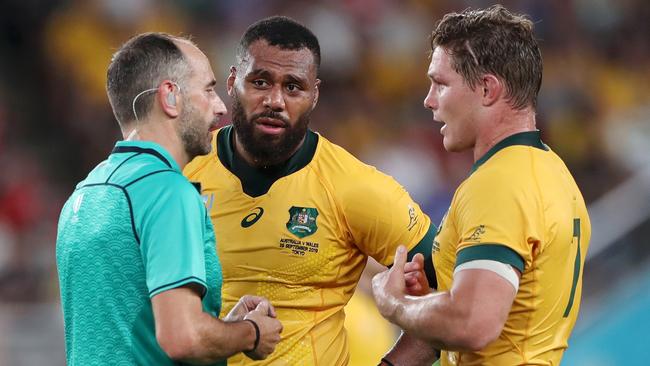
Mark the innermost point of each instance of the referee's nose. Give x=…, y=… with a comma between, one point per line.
x=219, y=108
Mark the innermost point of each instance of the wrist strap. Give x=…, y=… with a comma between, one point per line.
x=257, y=335
x=384, y=360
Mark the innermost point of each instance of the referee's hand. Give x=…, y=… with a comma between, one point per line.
x=246, y=304
x=269, y=331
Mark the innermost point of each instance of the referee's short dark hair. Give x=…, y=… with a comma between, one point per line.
x=282, y=32
x=142, y=63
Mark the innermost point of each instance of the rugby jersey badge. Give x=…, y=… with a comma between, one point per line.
x=302, y=221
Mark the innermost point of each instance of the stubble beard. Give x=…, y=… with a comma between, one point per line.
x=193, y=133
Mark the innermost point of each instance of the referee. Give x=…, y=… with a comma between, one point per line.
x=139, y=275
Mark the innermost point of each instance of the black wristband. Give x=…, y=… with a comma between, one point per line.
x=384, y=360
x=257, y=335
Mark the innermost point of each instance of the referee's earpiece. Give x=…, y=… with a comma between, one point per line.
x=171, y=99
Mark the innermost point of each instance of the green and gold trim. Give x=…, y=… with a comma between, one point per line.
x=529, y=138
x=492, y=251
x=425, y=245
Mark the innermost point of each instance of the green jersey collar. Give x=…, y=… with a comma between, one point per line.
x=528, y=138
x=147, y=147
x=255, y=181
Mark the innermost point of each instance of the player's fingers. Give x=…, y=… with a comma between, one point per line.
x=411, y=267
x=412, y=276
x=400, y=260
x=410, y=281
x=419, y=259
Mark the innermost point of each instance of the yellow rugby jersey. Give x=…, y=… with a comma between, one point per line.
x=520, y=206
x=300, y=236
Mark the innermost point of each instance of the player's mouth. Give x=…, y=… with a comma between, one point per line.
x=444, y=125
x=270, y=125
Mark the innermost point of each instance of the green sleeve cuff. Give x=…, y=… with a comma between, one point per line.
x=492, y=251
x=180, y=283
x=425, y=246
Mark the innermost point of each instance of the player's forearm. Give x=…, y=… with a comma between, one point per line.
x=435, y=319
x=411, y=351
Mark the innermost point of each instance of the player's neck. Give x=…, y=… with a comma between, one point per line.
x=497, y=129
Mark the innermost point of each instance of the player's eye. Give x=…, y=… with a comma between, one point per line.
x=293, y=87
x=436, y=85
x=260, y=83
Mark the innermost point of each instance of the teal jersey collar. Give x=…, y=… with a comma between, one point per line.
x=146, y=147
x=528, y=138
x=255, y=181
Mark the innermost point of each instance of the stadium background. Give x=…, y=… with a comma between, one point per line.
x=594, y=107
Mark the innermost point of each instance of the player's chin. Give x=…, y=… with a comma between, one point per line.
x=266, y=139
x=449, y=144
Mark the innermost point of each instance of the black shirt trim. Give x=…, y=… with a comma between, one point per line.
x=135, y=149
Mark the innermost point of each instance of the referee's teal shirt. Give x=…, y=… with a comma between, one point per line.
x=135, y=227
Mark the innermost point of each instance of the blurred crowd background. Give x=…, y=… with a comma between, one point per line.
x=594, y=111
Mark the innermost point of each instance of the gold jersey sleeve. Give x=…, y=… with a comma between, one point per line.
x=523, y=208
x=304, y=243
x=378, y=213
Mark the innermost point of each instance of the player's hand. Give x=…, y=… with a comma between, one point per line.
x=269, y=328
x=415, y=279
x=389, y=287
x=246, y=304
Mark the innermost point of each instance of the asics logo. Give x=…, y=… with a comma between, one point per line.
x=252, y=217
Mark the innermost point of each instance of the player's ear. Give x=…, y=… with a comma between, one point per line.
x=492, y=89
x=230, y=82
x=316, y=93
